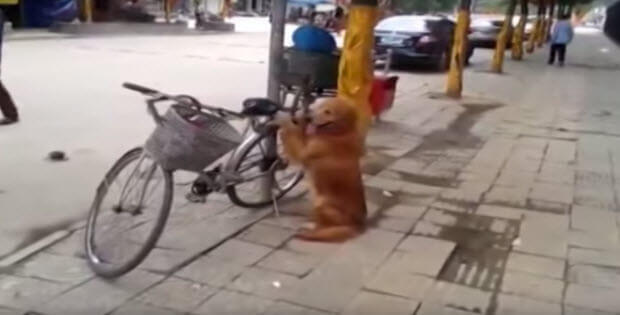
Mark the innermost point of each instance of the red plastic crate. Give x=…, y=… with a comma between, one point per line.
x=382, y=93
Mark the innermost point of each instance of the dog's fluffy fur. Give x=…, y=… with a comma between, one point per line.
x=329, y=148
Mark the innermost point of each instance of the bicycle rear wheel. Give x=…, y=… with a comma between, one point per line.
x=128, y=214
x=251, y=162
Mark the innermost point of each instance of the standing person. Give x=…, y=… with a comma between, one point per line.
x=7, y=107
x=561, y=36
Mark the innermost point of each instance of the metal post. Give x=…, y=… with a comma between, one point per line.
x=276, y=50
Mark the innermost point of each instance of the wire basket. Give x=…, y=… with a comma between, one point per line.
x=191, y=140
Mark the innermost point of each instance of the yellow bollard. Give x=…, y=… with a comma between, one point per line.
x=88, y=11
x=454, y=86
x=356, y=66
x=167, y=9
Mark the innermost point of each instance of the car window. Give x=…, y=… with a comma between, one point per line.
x=403, y=24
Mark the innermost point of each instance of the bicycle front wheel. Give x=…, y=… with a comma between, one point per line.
x=252, y=164
x=128, y=214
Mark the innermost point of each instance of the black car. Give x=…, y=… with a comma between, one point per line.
x=417, y=39
x=484, y=31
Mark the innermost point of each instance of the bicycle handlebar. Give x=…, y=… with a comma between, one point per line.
x=182, y=99
x=139, y=88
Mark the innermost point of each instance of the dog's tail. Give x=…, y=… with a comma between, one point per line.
x=329, y=234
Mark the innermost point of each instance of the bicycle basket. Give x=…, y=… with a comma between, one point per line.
x=191, y=140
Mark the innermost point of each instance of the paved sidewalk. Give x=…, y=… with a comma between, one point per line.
x=505, y=206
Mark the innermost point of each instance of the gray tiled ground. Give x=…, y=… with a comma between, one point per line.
x=542, y=165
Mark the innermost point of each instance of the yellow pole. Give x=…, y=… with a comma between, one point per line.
x=356, y=67
x=454, y=86
x=502, y=39
x=88, y=11
x=519, y=34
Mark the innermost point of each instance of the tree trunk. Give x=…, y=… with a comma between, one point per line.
x=459, y=51
x=531, y=44
x=356, y=67
x=519, y=34
x=540, y=34
x=502, y=38
x=550, y=20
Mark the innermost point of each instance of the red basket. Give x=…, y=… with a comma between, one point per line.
x=382, y=93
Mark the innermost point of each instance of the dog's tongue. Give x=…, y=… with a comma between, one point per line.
x=310, y=129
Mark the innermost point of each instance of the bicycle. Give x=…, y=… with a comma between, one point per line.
x=143, y=170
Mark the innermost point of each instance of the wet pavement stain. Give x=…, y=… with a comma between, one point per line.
x=457, y=134
x=374, y=161
x=483, y=245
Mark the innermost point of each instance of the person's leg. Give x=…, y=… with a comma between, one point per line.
x=562, y=52
x=552, y=52
x=7, y=107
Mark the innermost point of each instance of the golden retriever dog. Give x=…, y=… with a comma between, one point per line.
x=329, y=148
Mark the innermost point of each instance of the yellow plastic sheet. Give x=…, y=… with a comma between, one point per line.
x=356, y=66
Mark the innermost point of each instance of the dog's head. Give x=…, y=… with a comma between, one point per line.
x=333, y=116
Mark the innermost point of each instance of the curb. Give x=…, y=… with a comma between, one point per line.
x=25, y=252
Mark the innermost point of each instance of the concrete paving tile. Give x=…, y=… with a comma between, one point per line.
x=536, y=265
x=233, y=303
x=240, y=252
x=537, y=288
x=600, y=299
x=110, y=295
x=290, y=262
x=283, y=308
x=428, y=308
x=458, y=296
x=211, y=271
x=267, y=235
x=594, y=276
x=24, y=293
x=507, y=196
x=402, y=225
x=405, y=211
x=398, y=281
x=264, y=283
x=436, y=252
x=515, y=305
x=552, y=192
x=501, y=212
x=369, y=303
x=571, y=310
x=337, y=280
x=135, y=308
x=177, y=294
x=65, y=269
x=594, y=257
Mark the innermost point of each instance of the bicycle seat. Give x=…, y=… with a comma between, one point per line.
x=260, y=107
